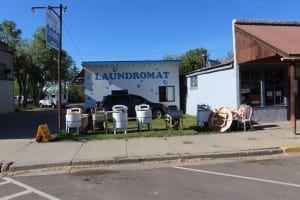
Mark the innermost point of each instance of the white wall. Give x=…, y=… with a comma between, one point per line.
x=6, y=86
x=216, y=87
x=96, y=87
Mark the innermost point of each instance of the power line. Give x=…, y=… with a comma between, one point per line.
x=72, y=40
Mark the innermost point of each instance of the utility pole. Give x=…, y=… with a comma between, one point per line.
x=58, y=46
x=293, y=93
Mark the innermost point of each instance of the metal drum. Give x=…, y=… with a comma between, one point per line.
x=99, y=115
x=203, y=113
x=120, y=118
x=73, y=119
x=143, y=116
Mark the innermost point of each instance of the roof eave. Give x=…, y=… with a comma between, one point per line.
x=267, y=22
x=142, y=62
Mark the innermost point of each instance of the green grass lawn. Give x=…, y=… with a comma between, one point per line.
x=158, y=130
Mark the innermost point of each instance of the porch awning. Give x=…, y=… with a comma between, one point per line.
x=269, y=41
x=259, y=40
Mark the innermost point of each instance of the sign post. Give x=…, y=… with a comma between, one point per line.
x=54, y=39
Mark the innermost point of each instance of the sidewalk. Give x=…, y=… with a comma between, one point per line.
x=267, y=139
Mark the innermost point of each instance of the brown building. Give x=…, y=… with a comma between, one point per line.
x=264, y=72
x=267, y=54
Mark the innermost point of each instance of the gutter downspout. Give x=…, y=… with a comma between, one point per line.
x=236, y=67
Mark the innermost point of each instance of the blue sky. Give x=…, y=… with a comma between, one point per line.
x=104, y=30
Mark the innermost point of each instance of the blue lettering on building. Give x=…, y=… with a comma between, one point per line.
x=112, y=76
x=159, y=76
x=150, y=75
x=131, y=75
x=105, y=76
x=128, y=75
x=97, y=76
x=143, y=75
x=135, y=75
x=120, y=76
x=166, y=74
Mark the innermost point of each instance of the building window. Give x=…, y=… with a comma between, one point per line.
x=274, y=87
x=166, y=93
x=251, y=87
x=263, y=87
x=194, y=82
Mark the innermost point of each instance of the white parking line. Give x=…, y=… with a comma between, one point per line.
x=28, y=190
x=239, y=177
x=16, y=195
x=3, y=183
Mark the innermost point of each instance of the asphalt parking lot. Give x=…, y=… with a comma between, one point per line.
x=23, y=125
x=268, y=178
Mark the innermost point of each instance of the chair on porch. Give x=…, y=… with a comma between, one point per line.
x=244, y=116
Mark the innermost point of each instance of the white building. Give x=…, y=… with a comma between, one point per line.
x=213, y=86
x=262, y=73
x=157, y=81
x=6, y=80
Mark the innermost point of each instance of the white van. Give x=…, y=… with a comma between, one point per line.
x=52, y=100
x=18, y=100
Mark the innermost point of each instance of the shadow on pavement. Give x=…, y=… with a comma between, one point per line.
x=265, y=127
x=23, y=125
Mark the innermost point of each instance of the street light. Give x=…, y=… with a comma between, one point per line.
x=59, y=15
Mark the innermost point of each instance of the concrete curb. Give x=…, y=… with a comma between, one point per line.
x=214, y=155
x=16, y=168
x=291, y=149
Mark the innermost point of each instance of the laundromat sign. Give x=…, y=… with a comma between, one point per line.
x=131, y=75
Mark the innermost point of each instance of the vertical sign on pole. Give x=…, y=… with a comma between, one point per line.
x=52, y=29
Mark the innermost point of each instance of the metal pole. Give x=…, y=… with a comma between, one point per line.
x=293, y=96
x=59, y=15
x=59, y=68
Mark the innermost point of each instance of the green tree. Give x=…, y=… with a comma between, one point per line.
x=191, y=60
x=10, y=34
x=76, y=92
x=45, y=60
x=35, y=63
x=23, y=68
x=172, y=57
x=229, y=55
x=73, y=72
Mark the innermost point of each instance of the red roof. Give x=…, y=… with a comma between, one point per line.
x=262, y=39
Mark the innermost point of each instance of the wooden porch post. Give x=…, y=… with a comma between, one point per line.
x=293, y=96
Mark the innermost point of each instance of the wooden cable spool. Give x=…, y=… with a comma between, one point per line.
x=220, y=119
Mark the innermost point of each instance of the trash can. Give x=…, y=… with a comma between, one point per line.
x=73, y=119
x=120, y=118
x=143, y=116
x=203, y=113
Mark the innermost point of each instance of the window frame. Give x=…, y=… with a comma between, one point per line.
x=194, y=82
x=264, y=87
x=165, y=97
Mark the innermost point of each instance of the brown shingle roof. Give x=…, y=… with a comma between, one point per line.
x=283, y=38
